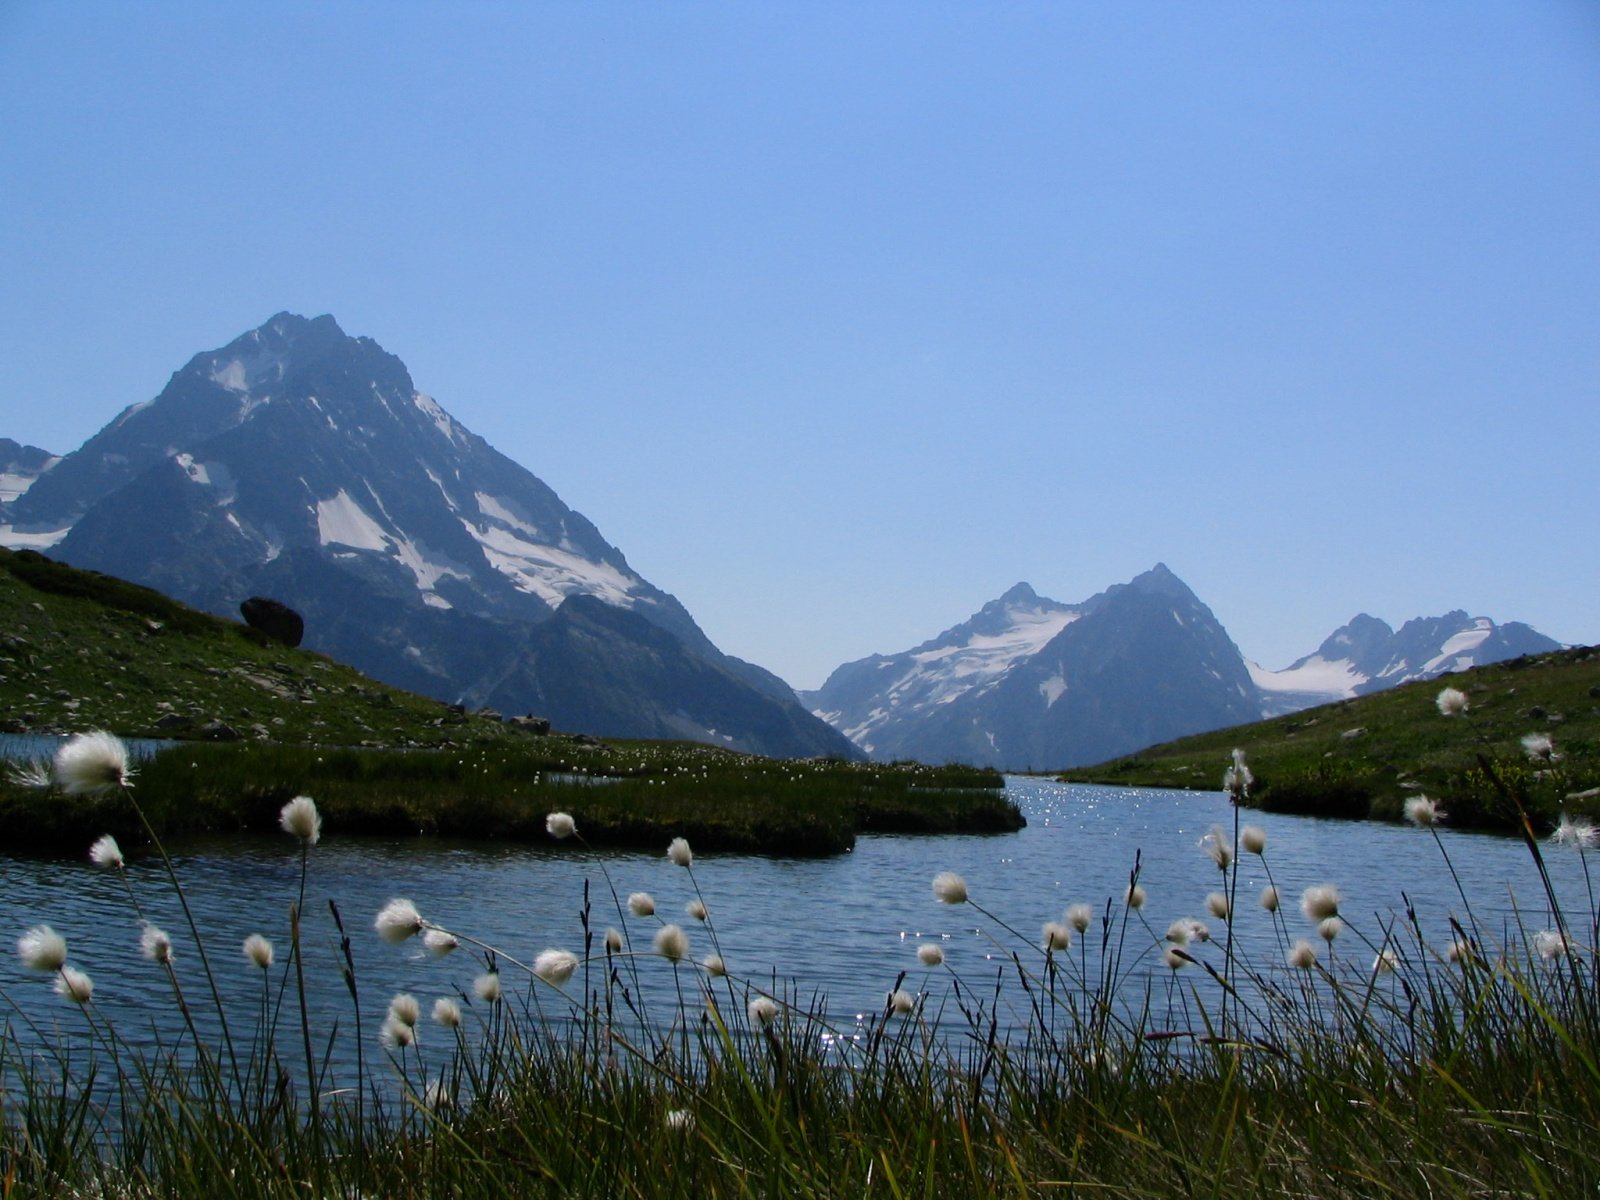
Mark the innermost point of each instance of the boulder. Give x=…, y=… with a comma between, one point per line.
x=275, y=619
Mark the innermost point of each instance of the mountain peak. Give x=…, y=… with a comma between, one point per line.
x=1020, y=593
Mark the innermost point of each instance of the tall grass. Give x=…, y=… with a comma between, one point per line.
x=1101, y=1057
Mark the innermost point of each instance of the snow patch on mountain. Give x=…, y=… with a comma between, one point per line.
x=343, y=522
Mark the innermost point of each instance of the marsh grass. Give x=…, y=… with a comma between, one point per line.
x=1085, y=1069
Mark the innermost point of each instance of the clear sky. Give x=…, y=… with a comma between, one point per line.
x=841, y=318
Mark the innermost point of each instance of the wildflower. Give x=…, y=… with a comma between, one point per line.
x=680, y=1120
x=678, y=852
x=1452, y=702
x=1579, y=833
x=258, y=950
x=72, y=984
x=555, y=967
x=300, y=818
x=1179, y=932
x=1216, y=846
x=613, y=941
x=487, y=986
x=437, y=1094
x=1254, y=839
x=42, y=949
x=672, y=942
x=1320, y=902
x=1217, y=905
x=106, y=853
x=405, y=1009
x=949, y=888
x=1550, y=944
x=92, y=763
x=396, y=1034
x=714, y=966
x=560, y=825
x=1459, y=951
x=642, y=904
x=1176, y=959
x=447, y=1012
x=930, y=954
x=1539, y=747
x=1078, y=916
x=1270, y=898
x=1236, y=780
x=439, y=943
x=1303, y=955
x=696, y=908
x=398, y=920
x=901, y=1002
x=1329, y=928
x=1056, y=936
x=155, y=945
x=1385, y=962
x=1136, y=896
x=1422, y=811
x=763, y=1011
x=33, y=774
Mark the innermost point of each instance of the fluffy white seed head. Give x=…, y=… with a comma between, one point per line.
x=33, y=773
x=1550, y=944
x=672, y=942
x=930, y=954
x=92, y=763
x=1423, y=811
x=613, y=941
x=696, y=908
x=642, y=904
x=1176, y=958
x=555, y=967
x=300, y=818
x=1136, y=896
x=680, y=1120
x=1329, y=928
x=1386, y=962
x=258, y=950
x=1179, y=931
x=74, y=985
x=1303, y=955
x=1539, y=747
x=902, y=1002
x=1079, y=916
x=42, y=949
x=154, y=944
x=1320, y=902
x=487, y=987
x=678, y=852
x=106, y=853
x=763, y=1011
x=1056, y=936
x=1217, y=905
x=1459, y=951
x=447, y=1012
x=714, y=966
x=396, y=1034
x=1452, y=702
x=1270, y=898
x=439, y=942
x=560, y=825
x=1575, y=832
x=1217, y=848
x=398, y=920
x=405, y=1009
x=949, y=888
x=1254, y=839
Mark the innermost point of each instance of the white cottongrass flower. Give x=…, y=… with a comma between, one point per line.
x=901, y=1002
x=696, y=908
x=1079, y=916
x=1217, y=905
x=405, y=1009
x=672, y=942
x=92, y=763
x=1452, y=702
x=1188, y=929
x=447, y=1012
x=560, y=825
x=714, y=966
x=1176, y=959
x=1579, y=833
x=642, y=904
x=949, y=888
x=613, y=941
x=1539, y=747
x=1056, y=936
x=1423, y=811
x=155, y=945
x=300, y=819
x=1320, y=902
x=1136, y=896
x=42, y=949
x=72, y=984
x=679, y=1120
x=1459, y=951
x=555, y=967
x=437, y=1095
x=398, y=920
x=1270, y=899
x=487, y=987
x=33, y=774
x=1551, y=944
x=1329, y=928
x=678, y=852
x=439, y=942
x=1236, y=780
x=396, y=1034
x=106, y=853
x=1218, y=850
x=763, y=1011
x=930, y=954
x=1303, y=955
x=258, y=950
x=1254, y=839
x=1386, y=962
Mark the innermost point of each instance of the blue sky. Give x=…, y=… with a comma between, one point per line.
x=840, y=319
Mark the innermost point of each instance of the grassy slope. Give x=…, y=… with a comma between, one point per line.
x=82, y=651
x=1363, y=757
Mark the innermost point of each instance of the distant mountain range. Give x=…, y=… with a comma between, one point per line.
x=1029, y=682
x=300, y=463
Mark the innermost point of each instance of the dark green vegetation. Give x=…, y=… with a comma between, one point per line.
x=1365, y=757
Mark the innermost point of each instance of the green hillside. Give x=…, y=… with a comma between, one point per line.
x=1364, y=757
